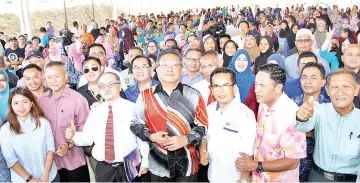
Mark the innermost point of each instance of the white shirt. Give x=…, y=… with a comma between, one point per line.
x=127, y=79
x=124, y=140
x=239, y=41
x=229, y=132
x=83, y=80
x=203, y=87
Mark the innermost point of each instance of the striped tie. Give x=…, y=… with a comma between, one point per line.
x=211, y=98
x=109, y=138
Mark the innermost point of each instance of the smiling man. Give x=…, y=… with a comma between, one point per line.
x=34, y=79
x=192, y=74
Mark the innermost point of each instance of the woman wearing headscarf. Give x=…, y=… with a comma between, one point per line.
x=266, y=49
x=289, y=43
x=230, y=48
x=152, y=48
x=302, y=20
x=269, y=30
x=276, y=59
x=241, y=65
x=113, y=41
x=53, y=52
x=73, y=64
x=251, y=47
x=320, y=33
x=4, y=98
x=284, y=32
x=209, y=43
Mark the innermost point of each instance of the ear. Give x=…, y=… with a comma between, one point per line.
x=323, y=82
x=327, y=90
x=342, y=57
x=298, y=69
x=279, y=88
x=357, y=88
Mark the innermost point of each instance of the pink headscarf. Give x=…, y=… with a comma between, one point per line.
x=109, y=52
x=76, y=56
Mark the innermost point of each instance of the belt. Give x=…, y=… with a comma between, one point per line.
x=114, y=164
x=337, y=177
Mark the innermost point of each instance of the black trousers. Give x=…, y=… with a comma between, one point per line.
x=202, y=175
x=155, y=178
x=80, y=174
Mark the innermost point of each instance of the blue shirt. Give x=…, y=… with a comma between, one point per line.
x=337, y=147
x=189, y=80
x=28, y=148
x=45, y=40
x=133, y=92
x=293, y=89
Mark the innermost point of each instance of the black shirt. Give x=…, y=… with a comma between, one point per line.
x=14, y=55
x=89, y=96
x=95, y=33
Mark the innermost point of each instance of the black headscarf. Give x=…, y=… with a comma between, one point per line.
x=262, y=58
x=284, y=33
x=227, y=58
x=291, y=37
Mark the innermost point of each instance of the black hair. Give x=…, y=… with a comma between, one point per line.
x=170, y=40
x=21, y=36
x=172, y=52
x=137, y=48
x=306, y=55
x=169, y=24
x=102, y=28
x=55, y=64
x=94, y=45
x=75, y=23
x=245, y=22
x=87, y=59
x=277, y=74
x=190, y=50
x=33, y=38
x=138, y=57
x=183, y=25
x=316, y=65
x=150, y=21
x=32, y=66
x=42, y=29
x=225, y=35
x=223, y=70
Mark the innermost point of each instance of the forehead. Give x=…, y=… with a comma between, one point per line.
x=208, y=59
x=241, y=56
x=341, y=78
x=303, y=36
x=34, y=59
x=2, y=76
x=307, y=59
x=54, y=70
x=31, y=71
x=262, y=77
x=194, y=54
x=96, y=49
x=311, y=71
x=140, y=61
x=18, y=97
x=221, y=78
x=90, y=63
x=169, y=57
x=105, y=78
x=353, y=49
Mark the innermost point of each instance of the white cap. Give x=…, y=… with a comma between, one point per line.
x=303, y=32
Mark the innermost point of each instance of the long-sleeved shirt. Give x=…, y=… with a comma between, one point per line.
x=337, y=138
x=133, y=92
x=60, y=112
x=183, y=113
x=28, y=148
x=124, y=140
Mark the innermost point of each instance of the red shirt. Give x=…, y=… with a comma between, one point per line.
x=251, y=102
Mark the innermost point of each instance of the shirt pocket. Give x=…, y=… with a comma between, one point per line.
x=66, y=120
x=352, y=148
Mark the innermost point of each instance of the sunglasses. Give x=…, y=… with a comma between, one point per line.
x=92, y=68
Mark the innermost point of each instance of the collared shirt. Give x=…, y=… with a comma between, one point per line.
x=124, y=140
x=203, y=88
x=291, y=66
x=190, y=80
x=83, y=80
x=229, y=132
x=337, y=138
x=28, y=148
x=86, y=92
x=277, y=138
x=133, y=92
x=60, y=112
x=127, y=79
x=183, y=113
x=239, y=41
x=293, y=89
x=299, y=100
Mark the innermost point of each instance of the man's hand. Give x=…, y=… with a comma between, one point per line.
x=44, y=178
x=158, y=137
x=245, y=163
x=175, y=142
x=7, y=63
x=306, y=110
x=262, y=30
x=204, y=157
x=62, y=150
x=70, y=131
x=143, y=171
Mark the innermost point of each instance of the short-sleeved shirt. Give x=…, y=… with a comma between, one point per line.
x=277, y=138
x=14, y=55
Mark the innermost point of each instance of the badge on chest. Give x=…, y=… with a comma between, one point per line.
x=231, y=127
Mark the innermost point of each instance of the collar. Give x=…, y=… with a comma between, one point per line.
x=277, y=104
x=136, y=87
x=65, y=93
x=197, y=74
x=337, y=115
x=159, y=88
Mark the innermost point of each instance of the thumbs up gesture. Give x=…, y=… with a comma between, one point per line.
x=204, y=157
x=70, y=131
x=306, y=110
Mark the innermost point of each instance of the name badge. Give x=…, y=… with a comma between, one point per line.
x=231, y=127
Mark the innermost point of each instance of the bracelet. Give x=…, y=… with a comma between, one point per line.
x=29, y=178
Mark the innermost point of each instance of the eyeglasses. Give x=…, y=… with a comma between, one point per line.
x=173, y=66
x=109, y=85
x=92, y=68
x=195, y=60
x=203, y=67
x=303, y=41
x=94, y=54
x=216, y=88
x=143, y=67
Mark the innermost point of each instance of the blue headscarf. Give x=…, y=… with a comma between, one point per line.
x=278, y=58
x=157, y=48
x=338, y=33
x=4, y=98
x=244, y=80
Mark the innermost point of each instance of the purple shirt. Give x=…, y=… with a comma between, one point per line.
x=51, y=31
x=69, y=106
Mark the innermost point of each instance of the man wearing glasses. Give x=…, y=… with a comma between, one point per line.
x=109, y=129
x=141, y=69
x=172, y=117
x=192, y=74
x=229, y=120
x=303, y=43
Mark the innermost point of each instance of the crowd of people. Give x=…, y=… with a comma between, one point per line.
x=277, y=102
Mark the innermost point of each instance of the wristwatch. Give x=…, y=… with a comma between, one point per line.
x=259, y=168
x=29, y=178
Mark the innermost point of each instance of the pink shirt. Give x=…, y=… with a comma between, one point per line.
x=277, y=138
x=69, y=106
